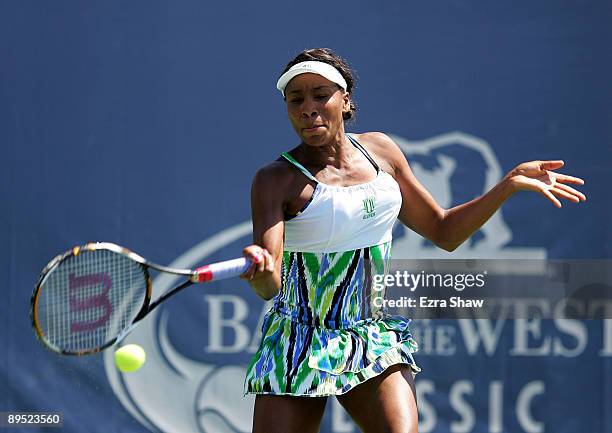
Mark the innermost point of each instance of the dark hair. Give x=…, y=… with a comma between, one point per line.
x=326, y=55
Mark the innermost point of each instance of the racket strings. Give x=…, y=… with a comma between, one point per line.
x=87, y=300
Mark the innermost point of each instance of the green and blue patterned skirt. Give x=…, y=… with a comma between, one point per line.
x=324, y=334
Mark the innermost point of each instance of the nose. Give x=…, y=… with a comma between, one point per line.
x=309, y=109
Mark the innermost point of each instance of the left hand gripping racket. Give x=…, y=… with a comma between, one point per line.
x=92, y=296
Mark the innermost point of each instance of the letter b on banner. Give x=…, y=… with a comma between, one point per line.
x=218, y=324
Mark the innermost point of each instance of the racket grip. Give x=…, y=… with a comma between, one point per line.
x=221, y=270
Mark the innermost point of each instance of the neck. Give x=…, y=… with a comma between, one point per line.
x=339, y=152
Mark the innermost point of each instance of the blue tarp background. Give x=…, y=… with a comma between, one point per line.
x=142, y=123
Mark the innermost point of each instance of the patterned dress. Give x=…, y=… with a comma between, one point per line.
x=327, y=330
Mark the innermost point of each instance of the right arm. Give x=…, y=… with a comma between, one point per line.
x=266, y=252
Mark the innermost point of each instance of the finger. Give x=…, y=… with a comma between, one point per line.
x=571, y=190
x=269, y=261
x=261, y=266
x=564, y=194
x=570, y=179
x=253, y=253
x=551, y=165
x=551, y=197
x=258, y=260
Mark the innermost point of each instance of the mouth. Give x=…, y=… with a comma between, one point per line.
x=313, y=128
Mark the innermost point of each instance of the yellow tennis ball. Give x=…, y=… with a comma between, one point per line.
x=130, y=358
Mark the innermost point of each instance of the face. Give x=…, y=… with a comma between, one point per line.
x=315, y=106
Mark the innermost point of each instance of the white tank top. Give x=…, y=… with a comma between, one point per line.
x=343, y=218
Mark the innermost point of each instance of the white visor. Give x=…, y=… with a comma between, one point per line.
x=311, y=67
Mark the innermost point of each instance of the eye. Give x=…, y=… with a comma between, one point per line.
x=296, y=100
x=322, y=97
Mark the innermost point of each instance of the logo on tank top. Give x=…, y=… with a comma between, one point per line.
x=369, y=207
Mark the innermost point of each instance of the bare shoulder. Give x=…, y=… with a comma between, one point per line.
x=382, y=148
x=277, y=177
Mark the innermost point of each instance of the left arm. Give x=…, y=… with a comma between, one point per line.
x=462, y=221
x=448, y=229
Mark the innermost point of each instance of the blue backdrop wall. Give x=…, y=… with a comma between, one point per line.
x=142, y=123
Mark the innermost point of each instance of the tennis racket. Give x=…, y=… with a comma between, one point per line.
x=92, y=296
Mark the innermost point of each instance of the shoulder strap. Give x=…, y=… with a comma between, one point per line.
x=365, y=152
x=299, y=166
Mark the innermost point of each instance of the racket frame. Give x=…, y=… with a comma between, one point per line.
x=193, y=276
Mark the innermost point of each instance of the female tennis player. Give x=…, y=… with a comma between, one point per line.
x=322, y=220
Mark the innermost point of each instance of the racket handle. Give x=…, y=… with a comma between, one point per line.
x=221, y=270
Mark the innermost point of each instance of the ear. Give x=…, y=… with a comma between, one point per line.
x=346, y=102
